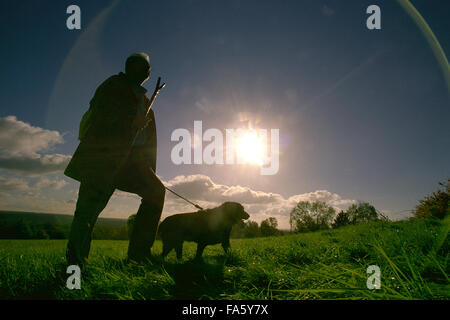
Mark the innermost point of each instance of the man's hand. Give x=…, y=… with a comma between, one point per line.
x=142, y=121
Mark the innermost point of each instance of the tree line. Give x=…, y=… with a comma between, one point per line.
x=25, y=228
x=306, y=216
x=311, y=216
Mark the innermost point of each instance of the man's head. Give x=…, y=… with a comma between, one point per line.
x=137, y=68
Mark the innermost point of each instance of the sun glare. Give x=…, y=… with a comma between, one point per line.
x=250, y=148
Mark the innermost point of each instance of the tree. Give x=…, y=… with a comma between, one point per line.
x=361, y=212
x=269, y=227
x=251, y=229
x=341, y=220
x=311, y=216
x=436, y=205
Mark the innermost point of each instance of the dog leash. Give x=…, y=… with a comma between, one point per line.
x=195, y=205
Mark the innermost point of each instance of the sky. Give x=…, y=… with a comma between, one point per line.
x=362, y=114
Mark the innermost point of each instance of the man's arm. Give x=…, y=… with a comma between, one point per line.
x=143, y=120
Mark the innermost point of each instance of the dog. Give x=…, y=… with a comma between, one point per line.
x=205, y=227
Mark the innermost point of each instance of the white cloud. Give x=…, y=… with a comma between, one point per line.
x=259, y=204
x=35, y=166
x=35, y=202
x=201, y=187
x=332, y=199
x=21, y=145
x=13, y=184
x=18, y=138
x=45, y=183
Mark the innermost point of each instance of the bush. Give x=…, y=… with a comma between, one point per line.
x=361, y=212
x=436, y=205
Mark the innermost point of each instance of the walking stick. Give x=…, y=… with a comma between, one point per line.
x=155, y=93
x=152, y=99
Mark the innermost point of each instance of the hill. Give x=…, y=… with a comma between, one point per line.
x=31, y=225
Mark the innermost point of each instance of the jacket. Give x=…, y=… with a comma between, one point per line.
x=108, y=140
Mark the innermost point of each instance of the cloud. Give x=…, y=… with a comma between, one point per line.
x=201, y=187
x=261, y=205
x=45, y=183
x=35, y=202
x=18, y=138
x=35, y=166
x=332, y=199
x=13, y=184
x=21, y=145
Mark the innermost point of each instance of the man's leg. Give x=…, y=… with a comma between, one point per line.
x=91, y=201
x=136, y=176
x=147, y=217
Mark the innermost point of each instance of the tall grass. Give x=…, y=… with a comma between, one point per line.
x=412, y=256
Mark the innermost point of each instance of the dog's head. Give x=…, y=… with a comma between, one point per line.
x=234, y=211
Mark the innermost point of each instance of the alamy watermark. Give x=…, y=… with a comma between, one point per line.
x=241, y=146
x=74, y=280
x=374, y=280
x=73, y=21
x=373, y=22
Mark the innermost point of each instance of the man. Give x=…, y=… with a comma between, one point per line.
x=117, y=150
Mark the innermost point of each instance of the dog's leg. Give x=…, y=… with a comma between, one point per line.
x=226, y=240
x=166, y=248
x=179, y=250
x=200, y=248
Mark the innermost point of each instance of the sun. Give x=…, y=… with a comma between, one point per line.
x=249, y=148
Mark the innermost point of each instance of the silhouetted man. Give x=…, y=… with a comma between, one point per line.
x=117, y=150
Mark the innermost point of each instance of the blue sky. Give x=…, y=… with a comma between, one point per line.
x=363, y=114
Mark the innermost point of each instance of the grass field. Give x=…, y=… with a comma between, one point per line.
x=412, y=255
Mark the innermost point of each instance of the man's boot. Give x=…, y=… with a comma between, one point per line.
x=144, y=231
